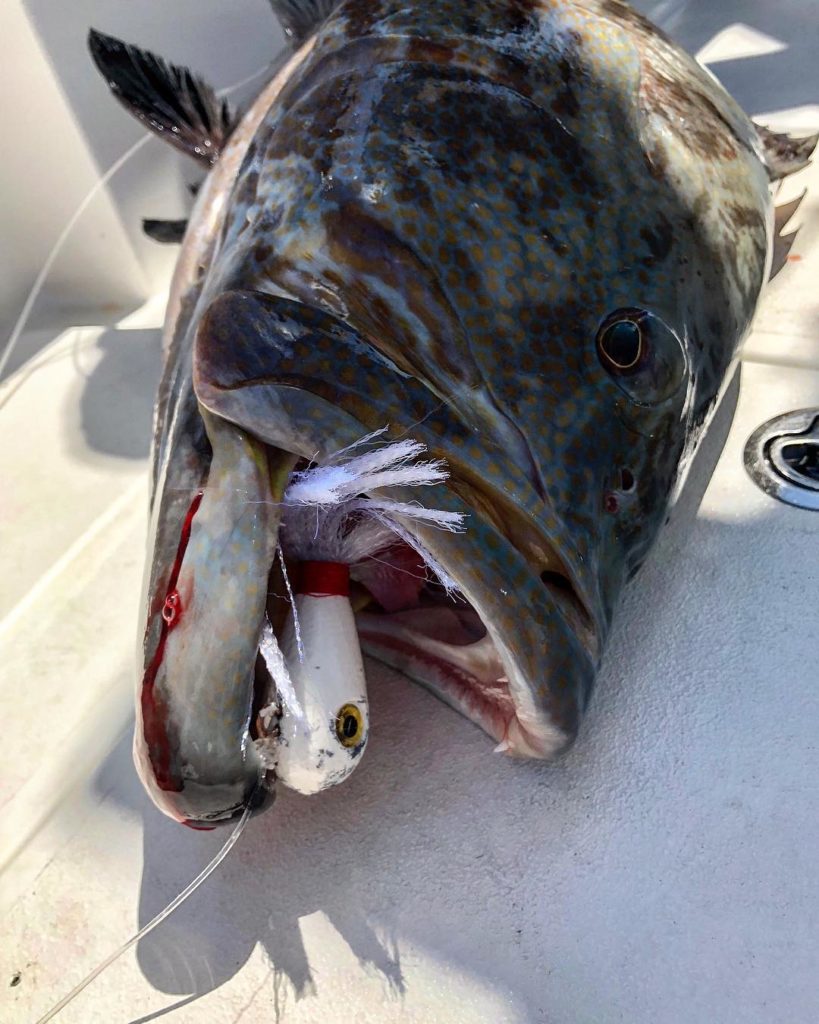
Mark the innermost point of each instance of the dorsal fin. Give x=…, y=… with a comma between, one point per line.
x=299, y=18
x=782, y=243
x=785, y=154
x=168, y=99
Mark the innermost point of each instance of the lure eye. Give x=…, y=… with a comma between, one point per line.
x=349, y=725
x=621, y=346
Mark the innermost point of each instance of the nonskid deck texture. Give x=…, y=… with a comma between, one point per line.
x=662, y=872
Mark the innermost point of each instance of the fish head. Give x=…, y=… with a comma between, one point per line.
x=521, y=260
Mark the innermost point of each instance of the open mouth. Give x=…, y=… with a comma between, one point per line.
x=514, y=643
x=441, y=641
x=410, y=619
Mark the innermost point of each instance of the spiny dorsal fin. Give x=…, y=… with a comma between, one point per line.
x=784, y=212
x=785, y=154
x=299, y=18
x=168, y=99
x=782, y=243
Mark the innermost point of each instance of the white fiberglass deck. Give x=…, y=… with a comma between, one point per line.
x=664, y=872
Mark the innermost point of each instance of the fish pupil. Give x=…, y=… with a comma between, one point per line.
x=349, y=727
x=621, y=344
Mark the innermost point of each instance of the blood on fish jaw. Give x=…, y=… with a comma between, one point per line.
x=154, y=717
x=172, y=609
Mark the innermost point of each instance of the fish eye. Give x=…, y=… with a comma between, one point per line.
x=642, y=354
x=349, y=725
x=621, y=345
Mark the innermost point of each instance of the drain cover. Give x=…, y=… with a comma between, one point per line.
x=782, y=457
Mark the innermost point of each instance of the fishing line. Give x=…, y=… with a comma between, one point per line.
x=11, y=344
x=291, y=598
x=427, y=578
x=56, y=249
x=176, y=902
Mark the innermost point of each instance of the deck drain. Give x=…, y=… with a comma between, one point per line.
x=782, y=457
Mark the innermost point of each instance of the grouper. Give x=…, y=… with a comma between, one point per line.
x=527, y=235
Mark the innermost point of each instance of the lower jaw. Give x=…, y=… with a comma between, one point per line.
x=469, y=676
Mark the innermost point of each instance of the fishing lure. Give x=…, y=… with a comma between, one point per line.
x=316, y=727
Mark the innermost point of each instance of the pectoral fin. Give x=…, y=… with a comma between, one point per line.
x=785, y=154
x=170, y=100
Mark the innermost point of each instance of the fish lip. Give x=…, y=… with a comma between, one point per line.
x=197, y=769
x=199, y=802
x=193, y=803
x=260, y=782
x=259, y=794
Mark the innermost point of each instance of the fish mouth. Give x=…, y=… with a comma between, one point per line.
x=515, y=646
x=471, y=639
x=473, y=662
x=449, y=650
